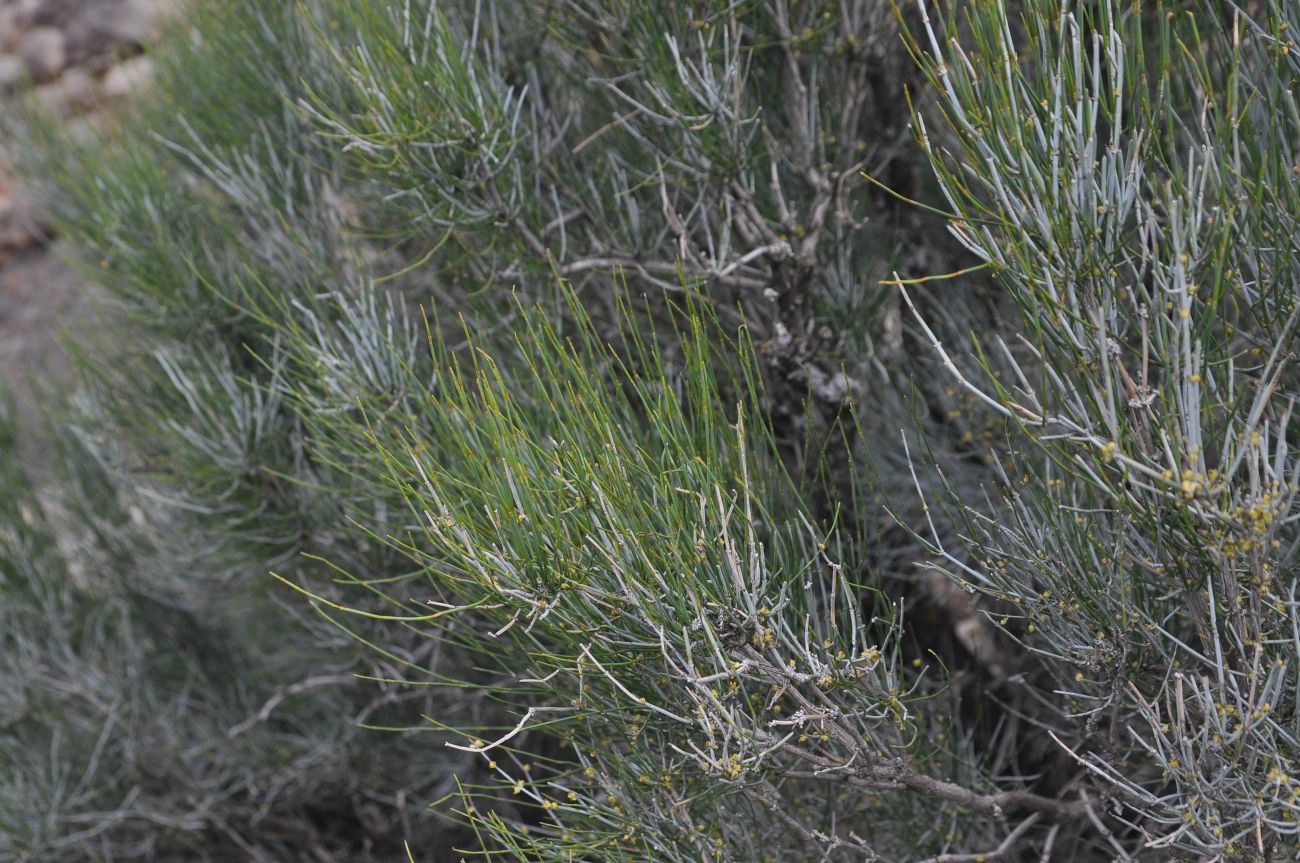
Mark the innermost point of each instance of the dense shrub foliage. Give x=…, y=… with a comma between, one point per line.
x=592, y=430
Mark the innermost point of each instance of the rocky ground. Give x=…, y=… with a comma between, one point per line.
x=79, y=58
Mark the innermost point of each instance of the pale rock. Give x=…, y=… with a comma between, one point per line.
x=12, y=72
x=45, y=51
x=18, y=229
x=72, y=92
x=126, y=77
x=49, y=13
x=110, y=26
x=9, y=28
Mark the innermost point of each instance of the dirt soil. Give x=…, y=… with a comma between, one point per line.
x=39, y=300
x=78, y=58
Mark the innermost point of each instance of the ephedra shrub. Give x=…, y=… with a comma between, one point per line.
x=736, y=462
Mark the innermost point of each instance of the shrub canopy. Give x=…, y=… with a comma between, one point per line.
x=754, y=431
